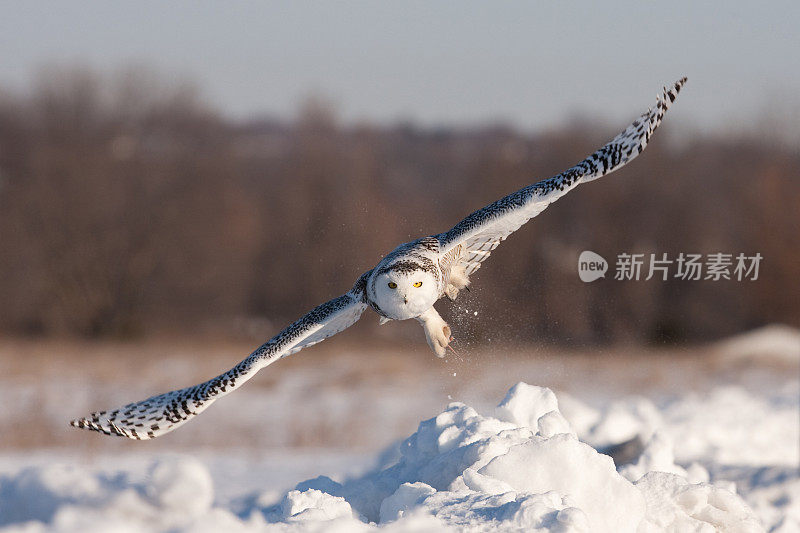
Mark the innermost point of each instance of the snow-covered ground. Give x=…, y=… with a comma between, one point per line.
x=703, y=441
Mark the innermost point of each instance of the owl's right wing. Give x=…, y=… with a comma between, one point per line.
x=161, y=414
x=471, y=241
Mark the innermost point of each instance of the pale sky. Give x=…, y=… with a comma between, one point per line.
x=532, y=64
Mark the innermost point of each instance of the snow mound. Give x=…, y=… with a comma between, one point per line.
x=776, y=343
x=182, y=486
x=177, y=493
x=674, y=504
x=313, y=505
x=522, y=469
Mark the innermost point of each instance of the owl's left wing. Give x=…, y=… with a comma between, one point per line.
x=161, y=414
x=471, y=241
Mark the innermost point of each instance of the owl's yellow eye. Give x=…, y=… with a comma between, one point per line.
x=418, y=284
x=392, y=285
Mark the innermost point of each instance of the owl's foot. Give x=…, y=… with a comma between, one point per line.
x=437, y=332
x=452, y=292
x=458, y=280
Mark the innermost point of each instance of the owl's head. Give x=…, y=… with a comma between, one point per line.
x=405, y=290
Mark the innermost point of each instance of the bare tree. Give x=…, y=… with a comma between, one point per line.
x=128, y=206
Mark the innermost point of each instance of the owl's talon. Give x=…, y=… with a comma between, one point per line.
x=437, y=332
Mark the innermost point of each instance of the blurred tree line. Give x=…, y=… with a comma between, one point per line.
x=129, y=207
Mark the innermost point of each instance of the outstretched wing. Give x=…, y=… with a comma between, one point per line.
x=161, y=414
x=471, y=241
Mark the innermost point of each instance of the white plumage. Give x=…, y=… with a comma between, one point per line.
x=405, y=284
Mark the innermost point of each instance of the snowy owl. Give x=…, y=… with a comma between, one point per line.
x=404, y=284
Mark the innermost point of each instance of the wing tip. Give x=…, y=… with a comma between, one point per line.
x=92, y=424
x=84, y=423
x=106, y=427
x=669, y=94
x=663, y=102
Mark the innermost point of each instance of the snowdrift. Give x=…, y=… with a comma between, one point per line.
x=520, y=468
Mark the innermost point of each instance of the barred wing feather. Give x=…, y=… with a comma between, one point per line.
x=473, y=239
x=161, y=414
